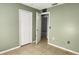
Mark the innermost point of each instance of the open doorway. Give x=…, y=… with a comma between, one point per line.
x=42, y=26
x=44, y=23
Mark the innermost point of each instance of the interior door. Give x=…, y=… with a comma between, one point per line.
x=38, y=27
x=25, y=26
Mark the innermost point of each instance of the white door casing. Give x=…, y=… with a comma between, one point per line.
x=25, y=27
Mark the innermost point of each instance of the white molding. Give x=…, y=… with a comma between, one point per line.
x=45, y=13
x=9, y=50
x=63, y=48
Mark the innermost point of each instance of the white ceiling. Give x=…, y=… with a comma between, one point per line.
x=40, y=6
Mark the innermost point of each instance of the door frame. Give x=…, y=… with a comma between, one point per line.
x=48, y=24
x=20, y=26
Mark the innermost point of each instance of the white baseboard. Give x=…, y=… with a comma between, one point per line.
x=9, y=50
x=34, y=41
x=63, y=48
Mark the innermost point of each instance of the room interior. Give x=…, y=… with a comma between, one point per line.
x=62, y=29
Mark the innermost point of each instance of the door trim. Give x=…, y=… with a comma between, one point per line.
x=48, y=24
x=20, y=25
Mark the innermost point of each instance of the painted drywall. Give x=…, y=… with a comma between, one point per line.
x=64, y=22
x=9, y=24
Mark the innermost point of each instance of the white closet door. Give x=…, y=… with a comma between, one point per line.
x=25, y=27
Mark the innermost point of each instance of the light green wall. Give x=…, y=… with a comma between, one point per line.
x=65, y=26
x=9, y=24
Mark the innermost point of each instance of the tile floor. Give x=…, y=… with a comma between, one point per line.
x=41, y=49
